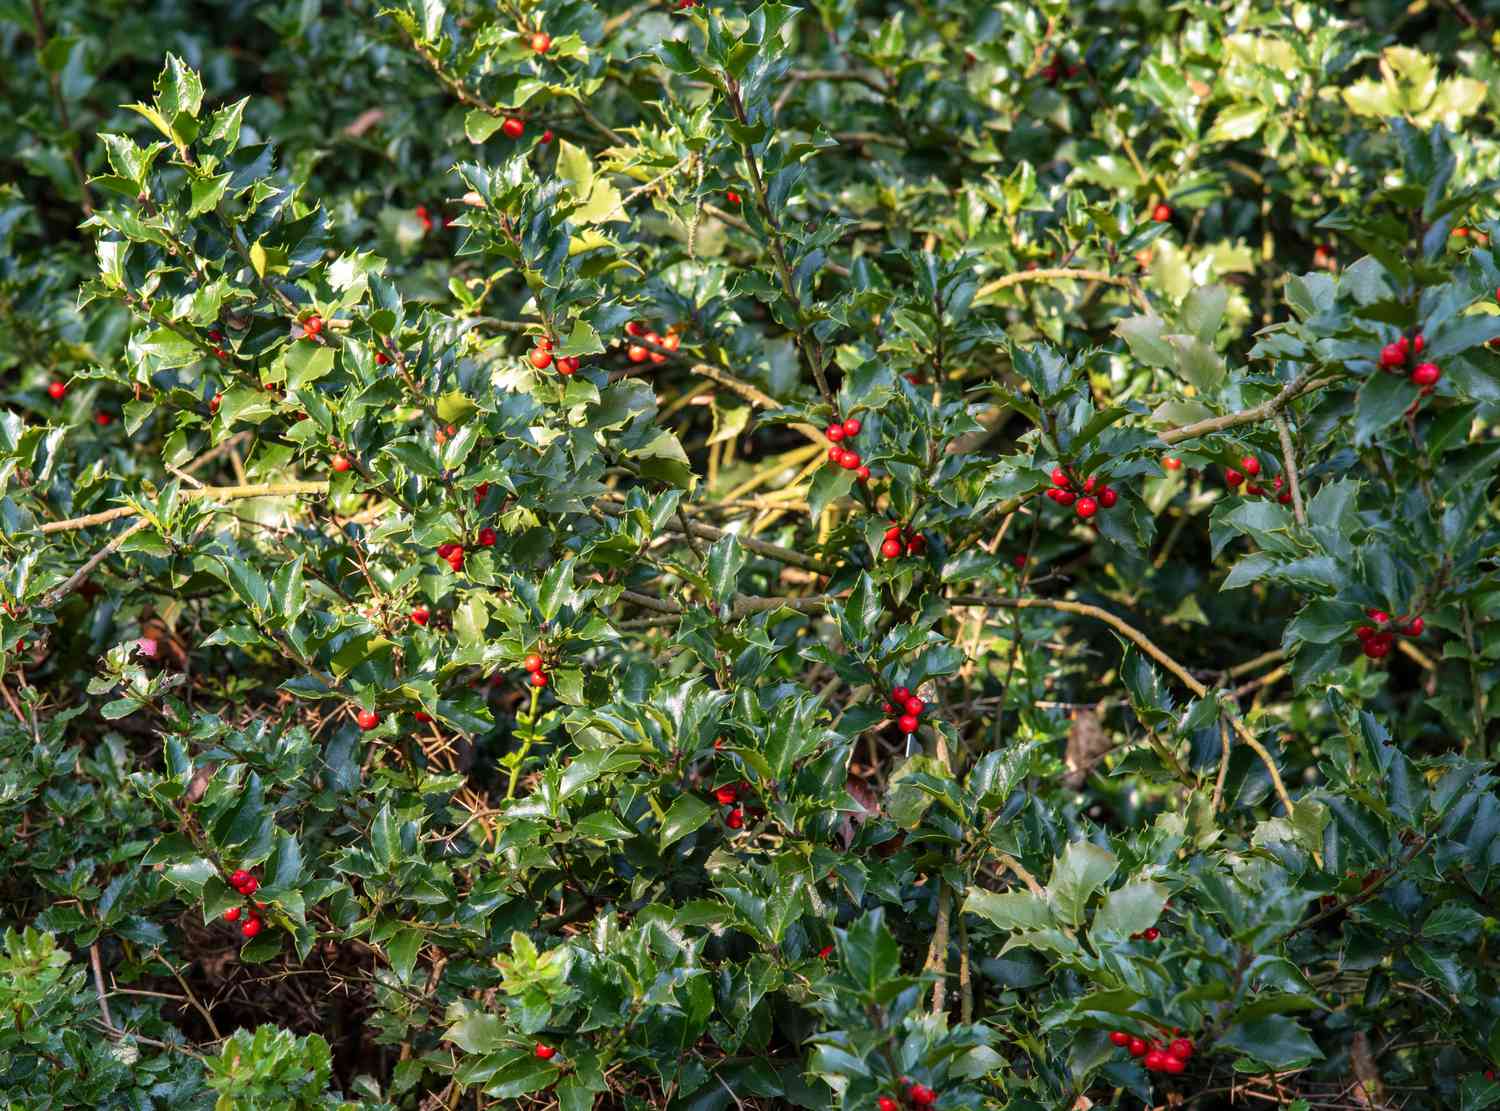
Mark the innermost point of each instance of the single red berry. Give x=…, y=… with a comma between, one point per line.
x=238, y=876
x=834, y=432
x=907, y=723
x=541, y=358
x=1120, y=1038
x=852, y=426
x=340, y=463
x=1173, y=1065
x=732, y=197
x=1019, y=561
x=635, y=328
x=886, y=1103
x=1380, y=617
x=1154, y=1060
x=312, y=325
x=887, y=709
x=544, y=342
x=215, y=336
x=1161, y=213
x=891, y=549
x=736, y=818
x=922, y=1095
x=1107, y=498
x=1418, y=342
x=915, y=706
x=671, y=341
x=1172, y=463
x=568, y=365
x=893, y=533
x=900, y=694
x=1392, y=356
x=541, y=42
x=1151, y=933
x=1254, y=489
x=214, y=402
x=835, y=453
x=513, y=128
x=446, y=550
x=1064, y=497
x=486, y=537
x=382, y=359
x=1089, y=484
x=55, y=390
x=825, y=952
x=1060, y=478
x=1377, y=647
x=367, y=719
x=916, y=545
x=249, y=887
x=1181, y=1048
x=1086, y=507
x=726, y=795
x=1364, y=632
x=1285, y=497
x=547, y=136
x=232, y=914
x=538, y=678
x=1414, y=627
x=1250, y=465
x=533, y=663
x=545, y=1052
x=1425, y=374
x=251, y=927
x=421, y=615
x=423, y=716
x=637, y=353
x=481, y=492
x=1233, y=477
x=850, y=461
x=1137, y=1047
x=1489, y=1074
x=862, y=473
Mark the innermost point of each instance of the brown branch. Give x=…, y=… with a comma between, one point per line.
x=97, y=558
x=1289, y=464
x=759, y=547
x=214, y=493
x=1289, y=393
x=99, y=985
x=1048, y=275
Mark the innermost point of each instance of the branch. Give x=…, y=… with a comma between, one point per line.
x=1294, y=389
x=97, y=558
x=1145, y=644
x=1289, y=464
x=214, y=493
x=1057, y=273
x=759, y=547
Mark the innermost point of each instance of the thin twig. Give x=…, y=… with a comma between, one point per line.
x=1289, y=393
x=61, y=592
x=1289, y=464
x=99, y=985
x=213, y=493
x=1048, y=275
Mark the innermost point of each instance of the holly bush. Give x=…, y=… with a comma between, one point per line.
x=865, y=556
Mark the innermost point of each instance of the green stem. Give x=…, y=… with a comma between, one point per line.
x=515, y=771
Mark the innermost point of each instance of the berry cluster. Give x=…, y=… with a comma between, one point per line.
x=1394, y=358
x=1377, y=640
x=1095, y=496
x=837, y=433
x=1059, y=67
x=920, y=1095
x=1250, y=467
x=246, y=884
x=729, y=795
x=453, y=554
x=533, y=665
x=639, y=352
x=908, y=705
x=541, y=358
x=1171, y=1058
x=898, y=540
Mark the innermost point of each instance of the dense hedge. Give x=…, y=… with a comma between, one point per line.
x=864, y=556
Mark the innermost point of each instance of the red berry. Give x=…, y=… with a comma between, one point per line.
x=251, y=927
x=1120, y=1038
x=545, y=1052
x=1181, y=1048
x=1172, y=1064
x=835, y=453
x=1250, y=465
x=887, y=709
x=249, y=887
x=1089, y=484
x=238, y=876
x=423, y=716
x=56, y=390
x=446, y=550
x=421, y=615
x=382, y=359
x=726, y=795
x=214, y=402
x=1154, y=1060
x=1233, y=477
x=232, y=914
x=1019, y=561
x=1064, y=497
x=852, y=426
x=1086, y=507
x=1392, y=355
x=367, y=719
x=541, y=358
x=1137, y=1047
x=1418, y=342
x=885, y=1103
x=533, y=663
x=541, y=42
x=893, y=533
x=538, y=678
x=1414, y=627
x=736, y=818
x=1172, y=463
x=215, y=336
x=922, y=1095
x=1380, y=617
x=486, y=537
x=635, y=328
x=834, y=432
x=1151, y=933
x=480, y=492
x=513, y=127
x=1107, y=498
x=1378, y=647
x=1161, y=213
x=891, y=549
x=544, y=342
x=915, y=706
x=850, y=461
x=862, y=473
x=1285, y=497
x=1060, y=478
x=900, y=694
x=568, y=365
x=1254, y=489
x=732, y=197
x=312, y=325
x=907, y=723
x=1364, y=632
x=637, y=353
x=340, y=463
x=916, y=545
x=1425, y=374
x=546, y=136
x=825, y=952
x=671, y=341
